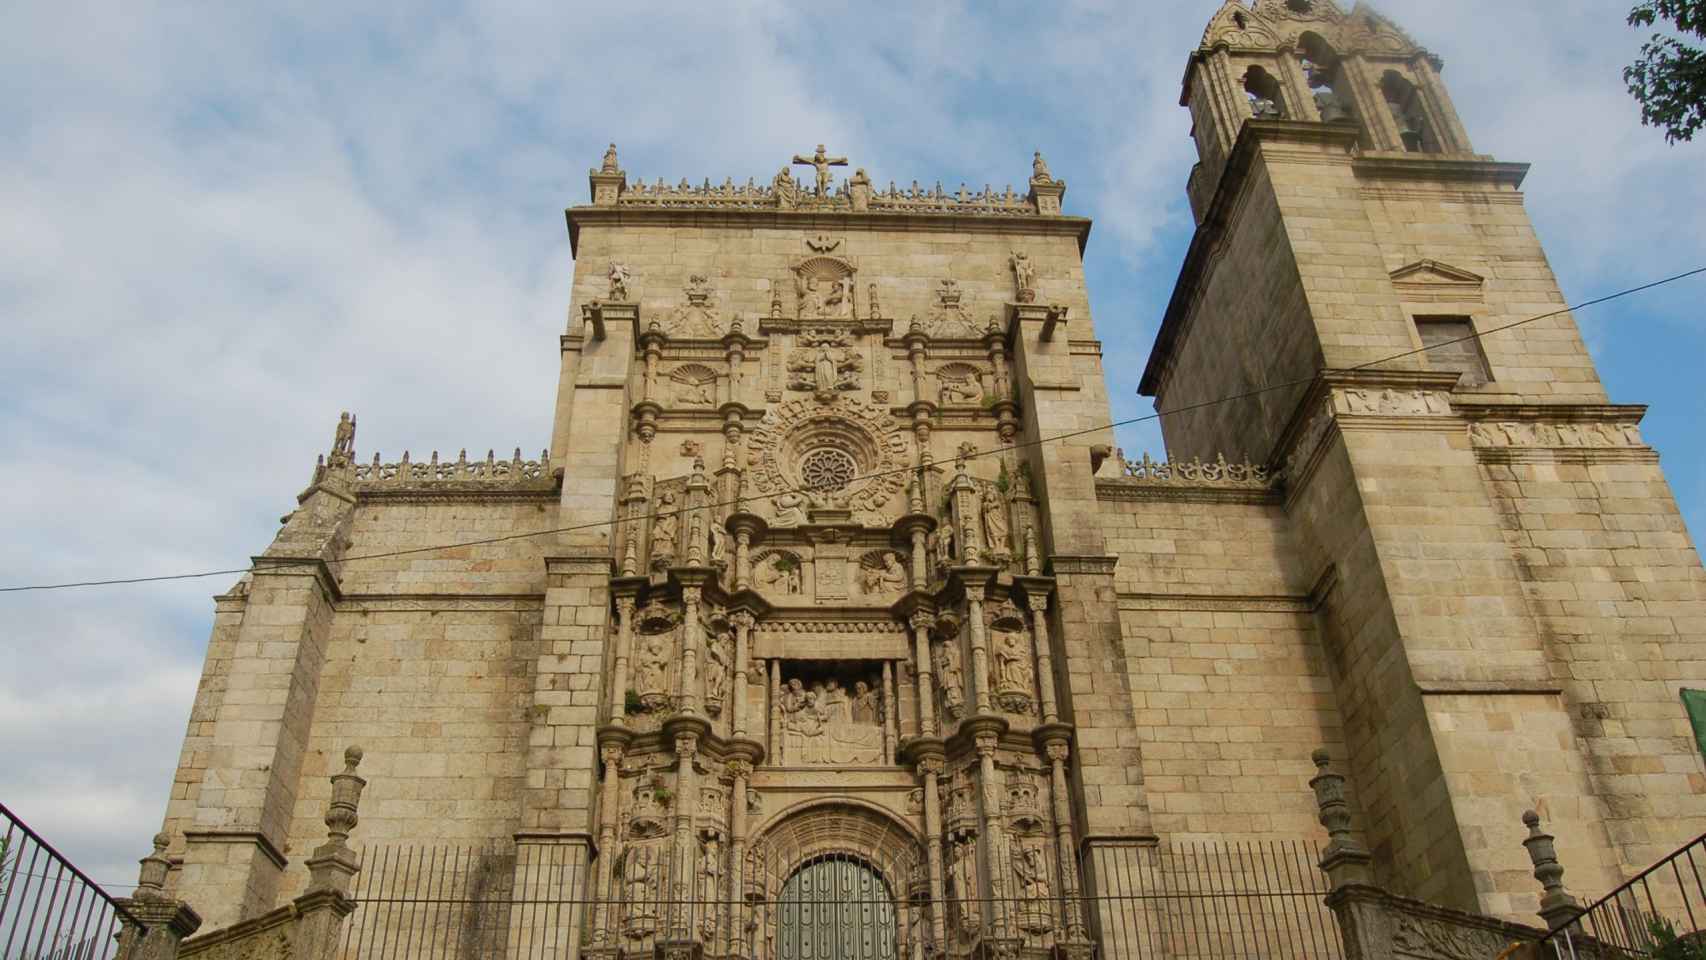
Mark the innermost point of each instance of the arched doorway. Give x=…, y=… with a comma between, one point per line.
x=833, y=880
x=836, y=908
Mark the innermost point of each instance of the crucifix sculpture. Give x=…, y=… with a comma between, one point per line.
x=822, y=162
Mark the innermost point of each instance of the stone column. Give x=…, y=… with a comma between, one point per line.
x=1045, y=660
x=692, y=638
x=776, y=712
x=921, y=622
x=1448, y=128
x=682, y=869
x=601, y=895
x=930, y=774
x=1057, y=752
x=890, y=714
x=994, y=845
x=634, y=502
x=743, y=629
x=740, y=771
x=979, y=650
x=619, y=673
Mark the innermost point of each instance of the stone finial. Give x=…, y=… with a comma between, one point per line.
x=609, y=164
x=151, y=879
x=1557, y=907
x=1344, y=860
x=333, y=863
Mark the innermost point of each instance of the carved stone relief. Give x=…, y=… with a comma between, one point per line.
x=1014, y=676
x=823, y=364
x=1529, y=434
x=949, y=319
x=1389, y=402
x=959, y=384
x=823, y=288
x=778, y=573
x=882, y=576
x=1430, y=939
x=698, y=318
x=827, y=724
x=693, y=385
x=791, y=433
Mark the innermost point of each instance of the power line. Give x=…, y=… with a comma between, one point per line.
x=1244, y=395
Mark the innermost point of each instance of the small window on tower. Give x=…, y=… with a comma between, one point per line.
x=1452, y=345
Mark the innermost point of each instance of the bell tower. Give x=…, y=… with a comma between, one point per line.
x=1452, y=490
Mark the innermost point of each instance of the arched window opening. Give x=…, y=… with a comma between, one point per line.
x=835, y=908
x=1321, y=69
x=1264, y=93
x=1405, y=104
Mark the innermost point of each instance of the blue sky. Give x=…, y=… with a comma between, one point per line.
x=224, y=224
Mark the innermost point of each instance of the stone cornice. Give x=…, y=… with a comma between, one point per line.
x=1128, y=489
x=630, y=216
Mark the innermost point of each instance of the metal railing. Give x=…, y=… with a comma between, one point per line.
x=1660, y=913
x=48, y=909
x=1229, y=900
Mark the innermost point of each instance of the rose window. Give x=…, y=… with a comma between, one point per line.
x=827, y=470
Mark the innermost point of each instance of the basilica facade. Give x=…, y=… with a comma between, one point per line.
x=832, y=584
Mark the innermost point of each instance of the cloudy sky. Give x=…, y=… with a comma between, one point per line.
x=220, y=224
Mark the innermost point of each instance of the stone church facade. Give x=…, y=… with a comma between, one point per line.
x=848, y=588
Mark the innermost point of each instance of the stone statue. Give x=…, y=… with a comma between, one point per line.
x=711, y=870
x=787, y=193
x=1039, y=169
x=637, y=883
x=1012, y=661
x=943, y=538
x=719, y=545
x=821, y=162
x=1024, y=276
x=890, y=578
x=717, y=667
x=609, y=164
x=867, y=704
x=951, y=676
x=619, y=277
x=1032, y=873
x=343, y=440
x=839, y=304
x=823, y=369
x=995, y=523
x=652, y=666
x=801, y=711
x=663, y=531
x=859, y=190
x=790, y=510
x=810, y=301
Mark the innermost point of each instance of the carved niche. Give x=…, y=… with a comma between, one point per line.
x=959, y=385
x=1012, y=669
x=823, y=288
x=654, y=649
x=794, y=435
x=693, y=385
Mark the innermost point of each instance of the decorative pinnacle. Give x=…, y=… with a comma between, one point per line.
x=1345, y=860
x=1557, y=907
x=341, y=815
x=151, y=879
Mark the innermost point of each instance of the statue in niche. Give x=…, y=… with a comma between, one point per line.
x=919, y=937
x=652, y=669
x=717, y=671
x=966, y=389
x=1013, y=670
x=637, y=890
x=996, y=532
x=951, y=677
x=790, y=511
x=1030, y=870
x=810, y=300
x=867, y=704
x=838, y=305
x=1024, y=277
x=619, y=277
x=663, y=531
x=885, y=580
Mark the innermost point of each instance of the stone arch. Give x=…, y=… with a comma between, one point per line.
x=1405, y=103
x=1267, y=102
x=842, y=827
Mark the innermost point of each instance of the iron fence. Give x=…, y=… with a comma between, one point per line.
x=813, y=902
x=48, y=909
x=1659, y=914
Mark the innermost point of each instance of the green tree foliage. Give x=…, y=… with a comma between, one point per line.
x=1669, y=78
